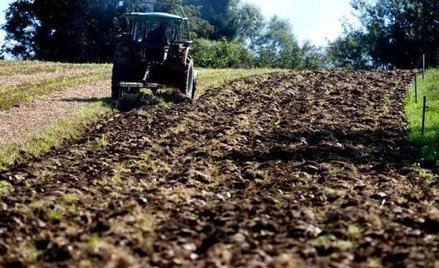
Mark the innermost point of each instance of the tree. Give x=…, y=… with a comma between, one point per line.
x=20, y=29
x=313, y=58
x=199, y=27
x=78, y=31
x=393, y=34
x=350, y=51
x=250, y=24
x=278, y=47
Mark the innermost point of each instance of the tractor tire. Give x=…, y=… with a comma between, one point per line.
x=189, y=84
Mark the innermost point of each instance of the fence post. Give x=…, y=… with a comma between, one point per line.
x=424, y=107
x=423, y=66
x=437, y=58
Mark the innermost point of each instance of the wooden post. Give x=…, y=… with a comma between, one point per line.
x=424, y=107
x=437, y=58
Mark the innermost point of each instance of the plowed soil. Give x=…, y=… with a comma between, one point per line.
x=303, y=169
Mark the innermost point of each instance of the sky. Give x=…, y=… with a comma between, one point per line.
x=315, y=20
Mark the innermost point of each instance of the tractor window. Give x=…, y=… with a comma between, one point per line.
x=157, y=32
x=177, y=32
x=174, y=31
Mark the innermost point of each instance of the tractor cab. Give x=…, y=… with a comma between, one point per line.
x=155, y=33
x=153, y=50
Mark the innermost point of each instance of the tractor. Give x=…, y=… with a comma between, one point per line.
x=153, y=51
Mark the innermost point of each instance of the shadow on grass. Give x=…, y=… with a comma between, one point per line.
x=106, y=100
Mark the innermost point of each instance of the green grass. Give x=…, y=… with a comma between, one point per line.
x=427, y=143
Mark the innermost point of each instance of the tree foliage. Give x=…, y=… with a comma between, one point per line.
x=68, y=31
x=278, y=47
x=250, y=23
x=221, y=14
x=20, y=29
x=350, y=50
x=393, y=34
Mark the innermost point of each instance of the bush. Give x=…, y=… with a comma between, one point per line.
x=222, y=54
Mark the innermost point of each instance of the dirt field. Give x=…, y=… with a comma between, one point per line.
x=303, y=169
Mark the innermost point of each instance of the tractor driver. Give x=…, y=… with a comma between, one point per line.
x=158, y=35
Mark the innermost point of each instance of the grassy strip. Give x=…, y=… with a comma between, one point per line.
x=56, y=134
x=427, y=144
x=11, y=68
x=13, y=95
x=210, y=78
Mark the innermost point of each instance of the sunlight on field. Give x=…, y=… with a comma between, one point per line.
x=24, y=81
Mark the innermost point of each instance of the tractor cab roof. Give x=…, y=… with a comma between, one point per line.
x=155, y=16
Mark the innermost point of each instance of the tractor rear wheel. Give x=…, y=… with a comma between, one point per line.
x=188, y=83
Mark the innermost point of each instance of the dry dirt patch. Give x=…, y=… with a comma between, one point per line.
x=306, y=169
x=21, y=79
x=20, y=124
